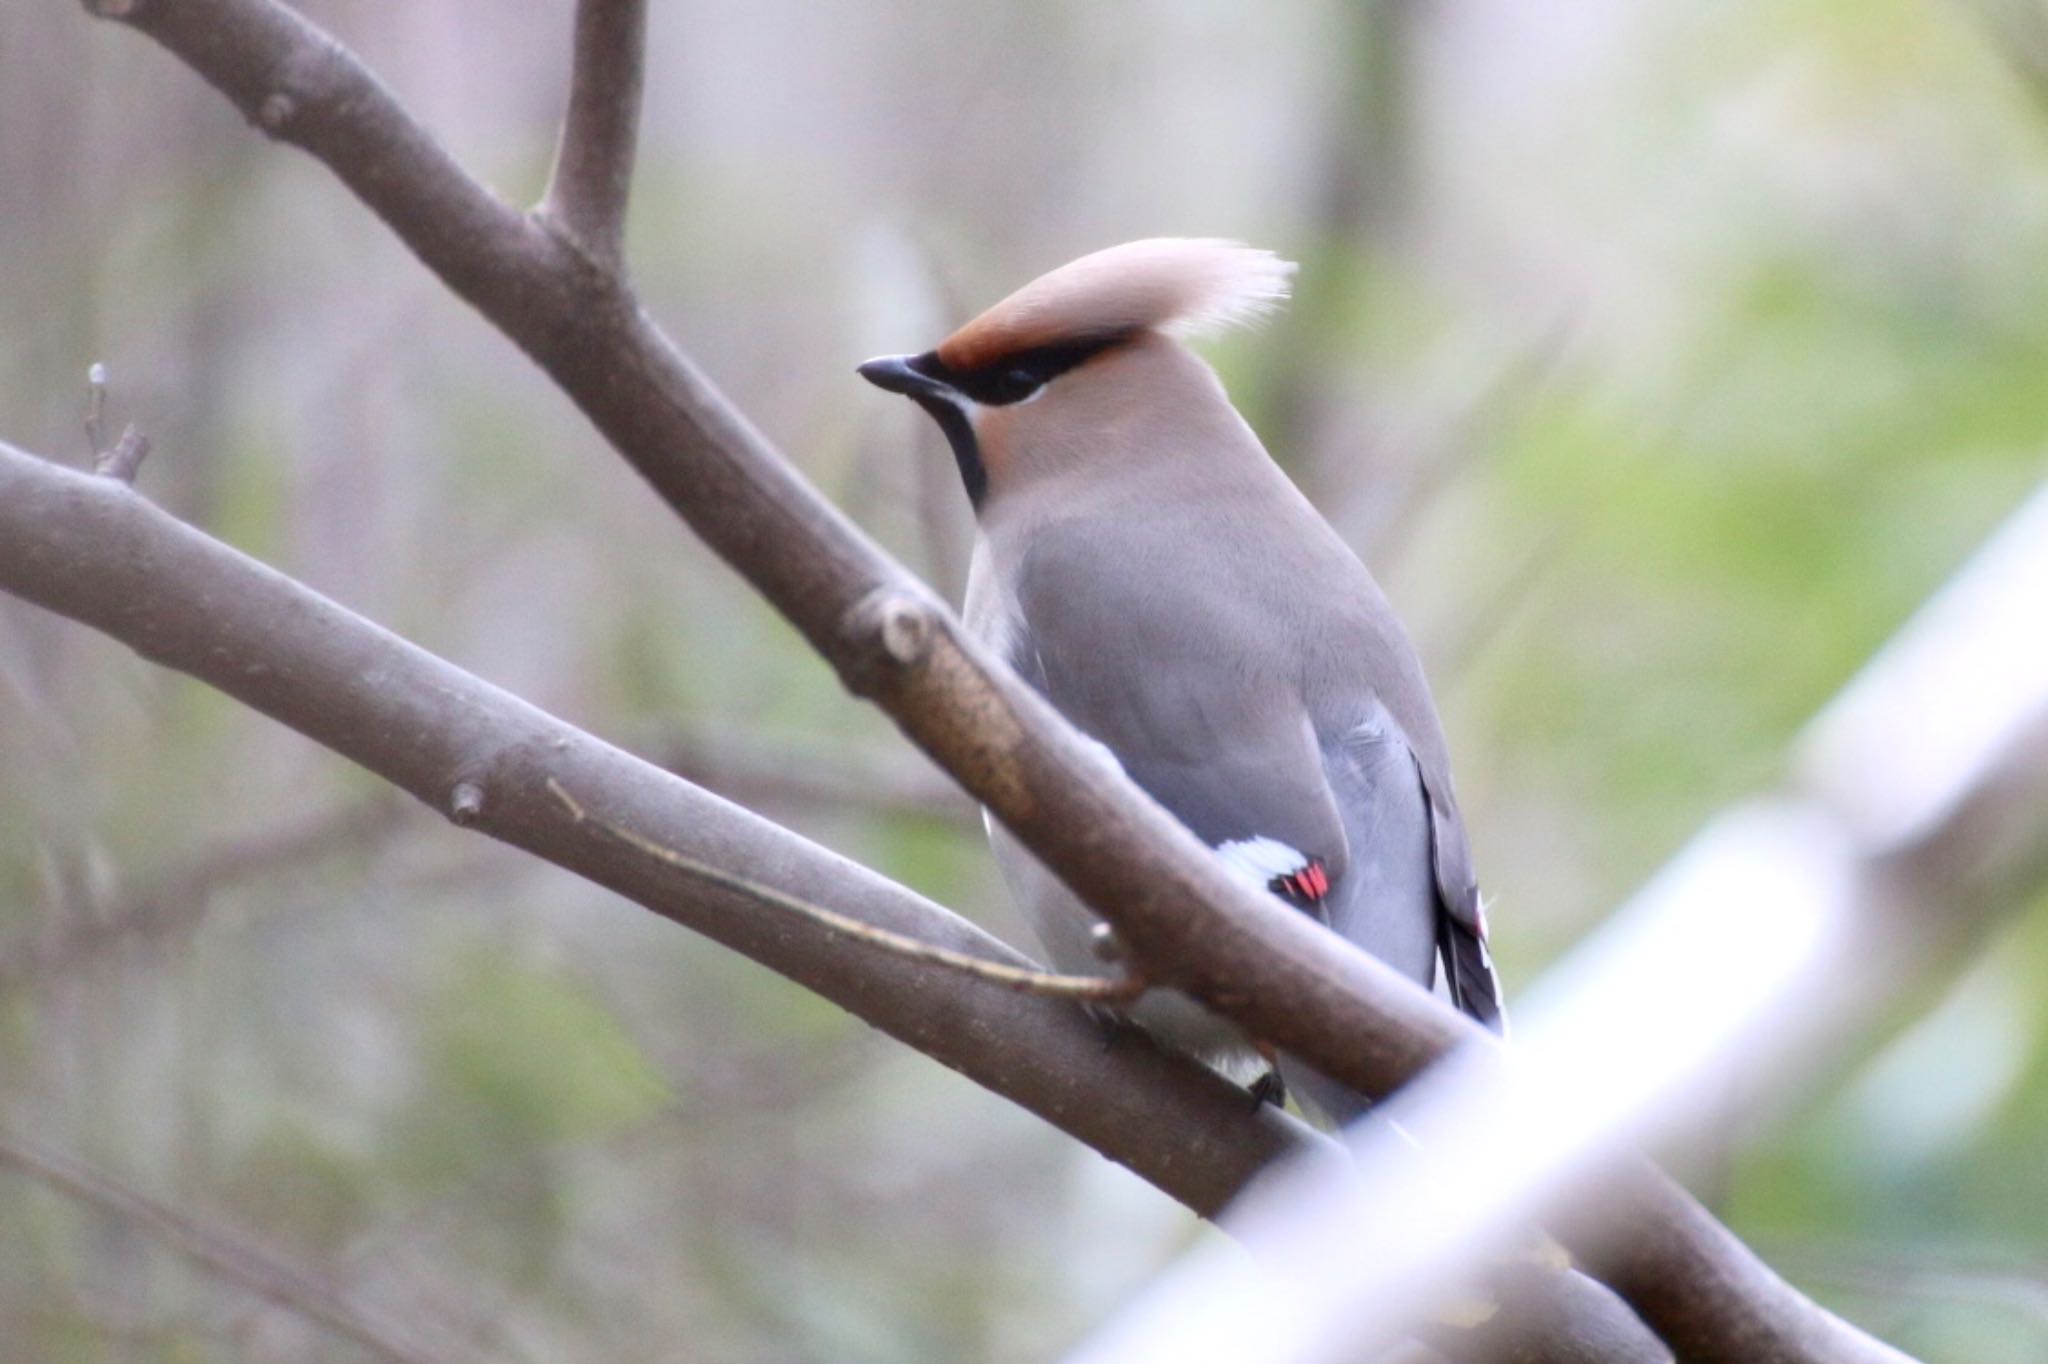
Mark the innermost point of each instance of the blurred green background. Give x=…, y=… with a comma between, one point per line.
x=1660, y=358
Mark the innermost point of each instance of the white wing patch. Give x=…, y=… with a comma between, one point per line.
x=1258, y=861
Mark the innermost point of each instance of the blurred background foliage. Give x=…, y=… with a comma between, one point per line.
x=1659, y=357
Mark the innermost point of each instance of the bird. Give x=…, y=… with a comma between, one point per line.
x=1144, y=564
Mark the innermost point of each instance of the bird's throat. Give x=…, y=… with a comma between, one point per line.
x=959, y=433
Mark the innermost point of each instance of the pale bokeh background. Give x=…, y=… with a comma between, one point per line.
x=1659, y=358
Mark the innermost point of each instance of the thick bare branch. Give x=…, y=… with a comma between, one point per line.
x=593, y=173
x=92, y=549
x=261, y=1271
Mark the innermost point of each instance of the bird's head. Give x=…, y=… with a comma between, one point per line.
x=1053, y=372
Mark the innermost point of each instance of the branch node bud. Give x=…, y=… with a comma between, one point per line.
x=905, y=630
x=122, y=462
x=890, y=630
x=275, y=111
x=465, y=803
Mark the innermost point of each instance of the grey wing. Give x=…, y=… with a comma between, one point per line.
x=1209, y=722
x=1411, y=897
x=1388, y=900
x=1231, y=754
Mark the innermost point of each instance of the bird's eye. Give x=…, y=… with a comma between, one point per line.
x=999, y=386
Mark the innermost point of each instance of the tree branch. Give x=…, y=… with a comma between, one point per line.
x=175, y=900
x=1467, y=1155
x=1101, y=990
x=259, y=1270
x=586, y=194
x=1184, y=918
x=93, y=550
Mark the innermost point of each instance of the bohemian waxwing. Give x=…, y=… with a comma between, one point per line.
x=1145, y=565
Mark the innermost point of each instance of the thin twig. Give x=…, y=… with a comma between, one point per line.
x=173, y=901
x=593, y=173
x=1087, y=989
x=259, y=1269
x=95, y=410
x=1453, y=442
x=1497, y=607
x=123, y=461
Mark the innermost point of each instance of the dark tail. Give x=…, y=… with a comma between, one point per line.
x=1468, y=969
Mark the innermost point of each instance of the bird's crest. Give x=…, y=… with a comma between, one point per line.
x=1184, y=286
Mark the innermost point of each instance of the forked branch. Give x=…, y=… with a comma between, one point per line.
x=93, y=550
x=593, y=173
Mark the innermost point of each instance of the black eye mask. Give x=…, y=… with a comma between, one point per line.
x=938, y=388
x=1015, y=377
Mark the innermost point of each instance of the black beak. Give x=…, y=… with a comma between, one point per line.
x=911, y=375
x=899, y=374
